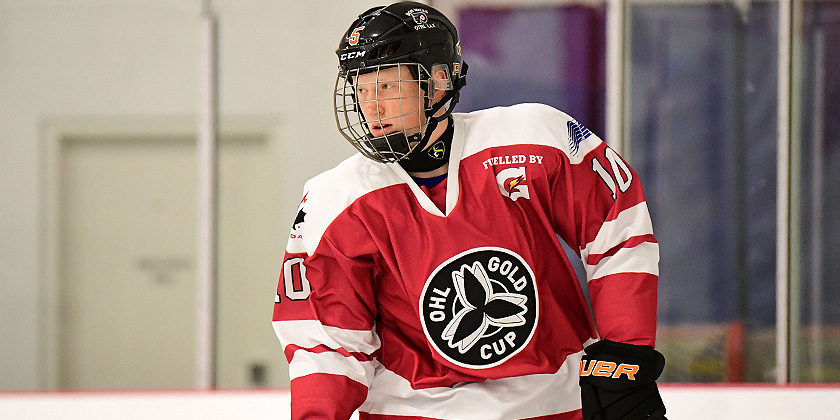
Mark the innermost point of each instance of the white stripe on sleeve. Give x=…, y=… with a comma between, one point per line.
x=634, y=221
x=642, y=258
x=311, y=333
x=306, y=363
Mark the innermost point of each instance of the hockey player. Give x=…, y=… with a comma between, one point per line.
x=423, y=277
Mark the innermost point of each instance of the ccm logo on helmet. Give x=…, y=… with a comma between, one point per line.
x=608, y=369
x=352, y=54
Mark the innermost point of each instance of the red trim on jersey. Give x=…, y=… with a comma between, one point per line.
x=308, y=400
x=630, y=243
x=290, y=350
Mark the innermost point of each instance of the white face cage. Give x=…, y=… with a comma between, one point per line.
x=383, y=110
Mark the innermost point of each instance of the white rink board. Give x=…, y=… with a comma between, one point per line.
x=683, y=402
x=726, y=402
x=145, y=405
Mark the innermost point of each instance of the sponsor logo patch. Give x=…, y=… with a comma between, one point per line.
x=438, y=150
x=299, y=219
x=480, y=307
x=512, y=183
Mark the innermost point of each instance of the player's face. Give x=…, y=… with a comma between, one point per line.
x=391, y=101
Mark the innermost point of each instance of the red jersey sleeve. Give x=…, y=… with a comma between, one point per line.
x=611, y=229
x=324, y=318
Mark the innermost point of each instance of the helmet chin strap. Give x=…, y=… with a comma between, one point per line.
x=422, y=160
x=431, y=158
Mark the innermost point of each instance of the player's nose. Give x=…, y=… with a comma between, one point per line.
x=370, y=106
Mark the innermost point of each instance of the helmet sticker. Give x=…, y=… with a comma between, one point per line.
x=353, y=39
x=421, y=19
x=420, y=16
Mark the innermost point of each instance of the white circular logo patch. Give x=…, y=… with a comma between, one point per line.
x=479, y=308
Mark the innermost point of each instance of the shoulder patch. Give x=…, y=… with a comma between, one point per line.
x=577, y=134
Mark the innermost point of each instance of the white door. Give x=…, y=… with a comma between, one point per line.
x=127, y=271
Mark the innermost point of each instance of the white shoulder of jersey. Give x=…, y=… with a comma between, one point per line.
x=328, y=194
x=527, y=123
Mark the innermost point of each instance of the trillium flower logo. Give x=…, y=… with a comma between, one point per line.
x=482, y=308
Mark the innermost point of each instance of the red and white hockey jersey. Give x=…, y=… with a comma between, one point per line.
x=466, y=309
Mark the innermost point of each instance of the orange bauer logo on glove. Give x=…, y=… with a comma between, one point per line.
x=608, y=369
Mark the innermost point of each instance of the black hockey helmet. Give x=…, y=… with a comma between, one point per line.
x=403, y=34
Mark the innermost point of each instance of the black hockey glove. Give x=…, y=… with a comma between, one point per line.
x=618, y=382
